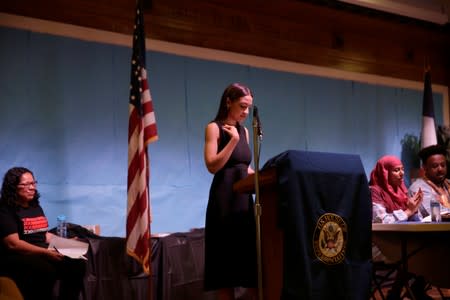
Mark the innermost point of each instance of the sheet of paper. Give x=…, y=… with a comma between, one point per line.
x=69, y=247
x=427, y=219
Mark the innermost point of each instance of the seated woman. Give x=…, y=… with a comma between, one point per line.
x=390, y=204
x=24, y=237
x=389, y=194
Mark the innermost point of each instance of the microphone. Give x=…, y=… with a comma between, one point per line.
x=257, y=121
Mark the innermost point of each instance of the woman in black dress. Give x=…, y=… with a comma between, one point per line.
x=230, y=238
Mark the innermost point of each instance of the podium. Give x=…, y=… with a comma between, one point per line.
x=272, y=241
x=316, y=215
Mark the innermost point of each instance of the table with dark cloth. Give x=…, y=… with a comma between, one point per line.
x=177, y=268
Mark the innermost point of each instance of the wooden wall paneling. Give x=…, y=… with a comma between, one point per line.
x=318, y=36
x=290, y=30
x=115, y=16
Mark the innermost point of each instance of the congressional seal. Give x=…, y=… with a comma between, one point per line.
x=330, y=239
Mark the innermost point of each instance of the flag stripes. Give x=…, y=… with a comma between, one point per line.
x=141, y=132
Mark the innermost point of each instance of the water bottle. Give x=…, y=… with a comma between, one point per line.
x=61, y=226
x=435, y=208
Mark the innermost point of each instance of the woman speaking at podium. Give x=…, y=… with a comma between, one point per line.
x=230, y=230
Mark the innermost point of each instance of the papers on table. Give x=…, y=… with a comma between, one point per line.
x=427, y=219
x=69, y=247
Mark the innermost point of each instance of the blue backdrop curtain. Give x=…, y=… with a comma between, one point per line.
x=64, y=114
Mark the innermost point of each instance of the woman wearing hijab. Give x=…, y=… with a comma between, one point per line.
x=389, y=194
x=391, y=204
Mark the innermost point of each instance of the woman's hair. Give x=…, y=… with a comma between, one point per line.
x=9, y=186
x=233, y=92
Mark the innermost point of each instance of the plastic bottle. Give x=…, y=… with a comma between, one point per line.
x=435, y=208
x=61, y=226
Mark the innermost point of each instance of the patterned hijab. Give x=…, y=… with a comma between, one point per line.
x=380, y=177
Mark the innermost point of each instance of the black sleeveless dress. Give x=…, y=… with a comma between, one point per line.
x=230, y=232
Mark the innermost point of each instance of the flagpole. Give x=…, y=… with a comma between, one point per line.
x=150, y=275
x=141, y=132
x=428, y=135
x=256, y=143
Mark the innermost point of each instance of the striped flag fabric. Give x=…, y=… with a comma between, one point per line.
x=141, y=132
x=428, y=135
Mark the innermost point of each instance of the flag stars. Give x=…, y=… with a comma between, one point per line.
x=138, y=232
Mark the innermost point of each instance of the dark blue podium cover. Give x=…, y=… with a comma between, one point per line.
x=325, y=212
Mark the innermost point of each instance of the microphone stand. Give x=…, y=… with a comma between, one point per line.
x=256, y=142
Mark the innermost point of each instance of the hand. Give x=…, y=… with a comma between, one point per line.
x=232, y=131
x=414, y=203
x=53, y=254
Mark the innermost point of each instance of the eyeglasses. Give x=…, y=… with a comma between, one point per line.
x=27, y=184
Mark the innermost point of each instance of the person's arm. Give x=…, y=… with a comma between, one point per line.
x=15, y=244
x=414, y=201
x=48, y=237
x=427, y=195
x=379, y=214
x=215, y=161
x=379, y=211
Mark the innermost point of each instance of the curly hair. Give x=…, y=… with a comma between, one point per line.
x=9, y=187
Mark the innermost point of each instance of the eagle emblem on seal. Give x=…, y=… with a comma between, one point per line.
x=330, y=239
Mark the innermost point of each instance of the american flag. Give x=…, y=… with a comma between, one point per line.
x=141, y=132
